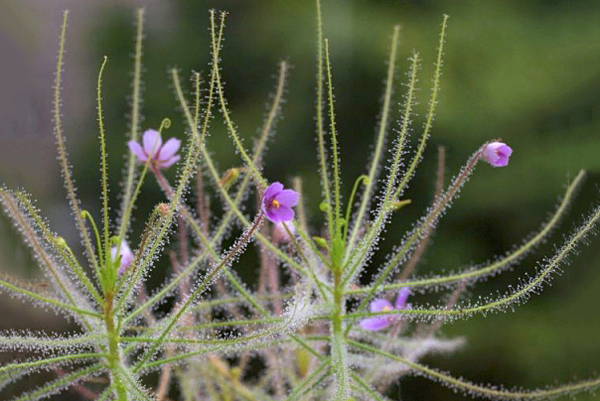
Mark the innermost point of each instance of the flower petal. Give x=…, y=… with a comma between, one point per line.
x=280, y=234
x=168, y=150
x=137, y=150
x=277, y=203
x=375, y=323
x=379, y=305
x=125, y=254
x=503, y=153
x=288, y=197
x=402, y=298
x=271, y=214
x=152, y=142
x=496, y=154
x=169, y=162
x=280, y=214
x=285, y=213
x=272, y=191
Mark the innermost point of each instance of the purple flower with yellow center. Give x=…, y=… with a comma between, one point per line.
x=160, y=155
x=383, y=305
x=125, y=255
x=496, y=153
x=277, y=203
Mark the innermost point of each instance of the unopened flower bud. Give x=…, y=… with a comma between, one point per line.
x=229, y=177
x=496, y=154
x=163, y=209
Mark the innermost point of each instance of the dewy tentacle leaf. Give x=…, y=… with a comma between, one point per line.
x=136, y=102
x=478, y=273
x=487, y=391
x=62, y=151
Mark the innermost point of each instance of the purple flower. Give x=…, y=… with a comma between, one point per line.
x=496, y=153
x=277, y=203
x=125, y=254
x=383, y=305
x=162, y=156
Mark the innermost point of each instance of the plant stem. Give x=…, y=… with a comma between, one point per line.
x=338, y=345
x=114, y=356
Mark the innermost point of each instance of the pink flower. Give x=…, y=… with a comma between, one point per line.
x=383, y=305
x=161, y=156
x=125, y=254
x=496, y=153
x=277, y=203
x=280, y=234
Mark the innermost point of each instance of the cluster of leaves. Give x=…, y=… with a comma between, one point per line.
x=204, y=334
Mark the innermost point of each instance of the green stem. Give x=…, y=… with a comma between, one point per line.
x=114, y=355
x=338, y=343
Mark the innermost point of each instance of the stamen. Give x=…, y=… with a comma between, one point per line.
x=275, y=203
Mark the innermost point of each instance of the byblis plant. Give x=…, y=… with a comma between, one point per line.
x=313, y=328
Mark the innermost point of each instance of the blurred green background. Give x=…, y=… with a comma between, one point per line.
x=524, y=71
